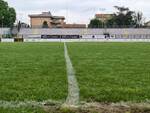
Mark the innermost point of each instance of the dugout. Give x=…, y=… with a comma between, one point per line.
x=18, y=39
x=107, y=35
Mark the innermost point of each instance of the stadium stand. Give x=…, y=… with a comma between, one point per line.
x=85, y=33
x=27, y=33
x=4, y=31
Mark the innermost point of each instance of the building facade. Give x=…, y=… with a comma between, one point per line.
x=46, y=20
x=147, y=24
x=103, y=17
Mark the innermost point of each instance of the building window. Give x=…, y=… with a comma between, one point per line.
x=45, y=24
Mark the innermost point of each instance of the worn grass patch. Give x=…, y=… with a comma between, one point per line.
x=112, y=72
x=22, y=110
x=32, y=71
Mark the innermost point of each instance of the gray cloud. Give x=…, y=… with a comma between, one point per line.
x=75, y=11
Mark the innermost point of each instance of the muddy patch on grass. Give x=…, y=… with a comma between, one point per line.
x=100, y=108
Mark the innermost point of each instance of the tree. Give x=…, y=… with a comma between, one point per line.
x=7, y=15
x=95, y=23
x=45, y=25
x=139, y=19
x=111, y=22
x=123, y=18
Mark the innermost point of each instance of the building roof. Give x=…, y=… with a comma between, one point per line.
x=58, y=17
x=46, y=15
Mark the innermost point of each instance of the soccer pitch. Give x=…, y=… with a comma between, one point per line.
x=105, y=72
x=112, y=72
x=32, y=71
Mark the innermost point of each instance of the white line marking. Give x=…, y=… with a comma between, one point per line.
x=73, y=89
x=13, y=104
x=17, y=104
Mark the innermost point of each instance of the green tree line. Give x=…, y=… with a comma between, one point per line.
x=7, y=15
x=123, y=18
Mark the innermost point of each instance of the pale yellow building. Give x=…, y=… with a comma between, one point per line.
x=147, y=24
x=39, y=20
x=103, y=17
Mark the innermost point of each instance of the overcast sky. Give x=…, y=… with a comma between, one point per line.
x=75, y=11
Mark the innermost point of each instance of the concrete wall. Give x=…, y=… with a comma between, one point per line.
x=78, y=40
x=86, y=40
x=83, y=31
x=7, y=40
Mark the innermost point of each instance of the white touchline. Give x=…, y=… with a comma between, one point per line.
x=17, y=104
x=73, y=89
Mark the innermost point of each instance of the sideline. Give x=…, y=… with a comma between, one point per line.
x=73, y=89
x=18, y=104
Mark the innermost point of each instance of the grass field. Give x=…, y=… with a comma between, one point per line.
x=112, y=72
x=106, y=72
x=32, y=71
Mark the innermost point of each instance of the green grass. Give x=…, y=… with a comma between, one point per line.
x=112, y=72
x=32, y=71
x=106, y=72
x=22, y=110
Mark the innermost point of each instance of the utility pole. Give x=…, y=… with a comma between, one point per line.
x=102, y=10
x=2, y=25
x=67, y=11
x=2, y=21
